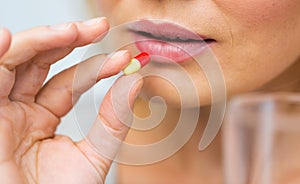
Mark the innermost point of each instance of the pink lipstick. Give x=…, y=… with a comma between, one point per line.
x=168, y=42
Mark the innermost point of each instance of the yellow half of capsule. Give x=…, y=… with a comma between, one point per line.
x=132, y=67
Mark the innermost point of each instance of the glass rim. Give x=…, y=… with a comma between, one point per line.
x=284, y=122
x=258, y=97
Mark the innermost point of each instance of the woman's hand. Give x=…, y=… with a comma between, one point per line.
x=30, y=152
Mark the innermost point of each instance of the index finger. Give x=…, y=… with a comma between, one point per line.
x=27, y=44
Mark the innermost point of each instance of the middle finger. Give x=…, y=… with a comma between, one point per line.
x=31, y=75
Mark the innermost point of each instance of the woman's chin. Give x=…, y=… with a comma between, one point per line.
x=167, y=95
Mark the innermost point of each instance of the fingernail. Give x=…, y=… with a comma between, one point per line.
x=93, y=21
x=118, y=54
x=61, y=26
x=137, y=88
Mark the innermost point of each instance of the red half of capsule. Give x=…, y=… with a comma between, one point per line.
x=143, y=58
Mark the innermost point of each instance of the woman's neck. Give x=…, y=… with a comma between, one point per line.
x=187, y=165
x=186, y=155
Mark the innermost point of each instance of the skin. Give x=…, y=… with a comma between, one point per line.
x=257, y=46
x=250, y=35
x=255, y=33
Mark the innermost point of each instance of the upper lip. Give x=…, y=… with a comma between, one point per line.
x=163, y=30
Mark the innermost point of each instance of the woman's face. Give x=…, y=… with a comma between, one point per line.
x=253, y=40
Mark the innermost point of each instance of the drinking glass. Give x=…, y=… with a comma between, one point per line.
x=261, y=139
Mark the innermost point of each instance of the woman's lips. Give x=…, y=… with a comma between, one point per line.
x=167, y=42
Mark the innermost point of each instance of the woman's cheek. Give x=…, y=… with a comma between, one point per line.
x=265, y=30
x=104, y=7
x=259, y=12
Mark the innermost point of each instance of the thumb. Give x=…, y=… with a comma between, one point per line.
x=112, y=124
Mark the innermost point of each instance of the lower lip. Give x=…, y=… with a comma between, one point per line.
x=169, y=51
